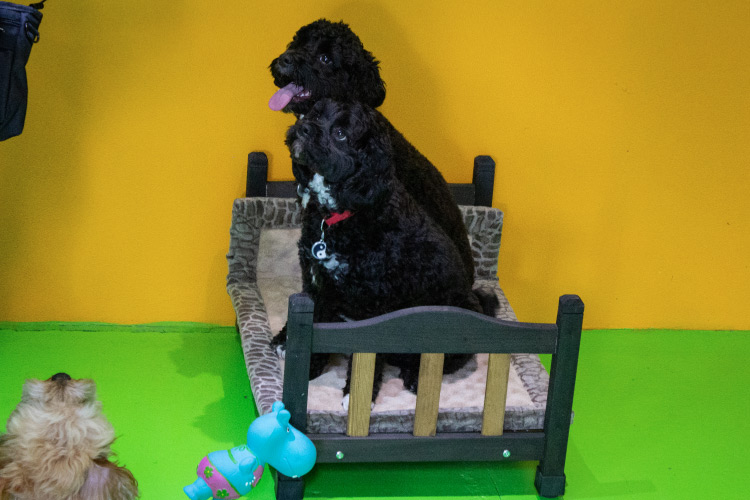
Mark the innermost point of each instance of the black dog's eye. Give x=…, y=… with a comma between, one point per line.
x=339, y=134
x=324, y=59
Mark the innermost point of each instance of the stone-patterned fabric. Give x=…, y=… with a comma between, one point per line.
x=264, y=271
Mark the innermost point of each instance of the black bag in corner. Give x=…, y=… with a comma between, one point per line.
x=19, y=30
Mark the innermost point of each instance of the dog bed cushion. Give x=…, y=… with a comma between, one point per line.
x=264, y=271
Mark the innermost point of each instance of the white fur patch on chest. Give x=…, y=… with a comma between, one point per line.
x=334, y=264
x=318, y=186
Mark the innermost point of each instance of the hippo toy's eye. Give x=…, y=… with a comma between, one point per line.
x=324, y=59
x=339, y=134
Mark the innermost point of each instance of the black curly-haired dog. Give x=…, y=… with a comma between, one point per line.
x=327, y=60
x=367, y=247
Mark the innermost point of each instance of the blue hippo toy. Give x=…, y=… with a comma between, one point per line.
x=230, y=474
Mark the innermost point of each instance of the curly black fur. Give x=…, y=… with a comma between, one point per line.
x=327, y=60
x=389, y=254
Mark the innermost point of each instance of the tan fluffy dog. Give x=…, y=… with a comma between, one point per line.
x=57, y=446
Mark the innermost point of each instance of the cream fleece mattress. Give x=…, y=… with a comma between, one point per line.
x=261, y=307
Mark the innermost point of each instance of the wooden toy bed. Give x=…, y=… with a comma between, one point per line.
x=502, y=406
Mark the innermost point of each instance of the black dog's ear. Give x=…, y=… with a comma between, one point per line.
x=372, y=86
x=376, y=141
x=374, y=90
x=374, y=173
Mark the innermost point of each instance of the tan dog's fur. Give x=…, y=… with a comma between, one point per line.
x=57, y=446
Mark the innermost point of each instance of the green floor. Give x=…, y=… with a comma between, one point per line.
x=659, y=414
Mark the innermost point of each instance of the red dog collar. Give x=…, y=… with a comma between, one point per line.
x=338, y=217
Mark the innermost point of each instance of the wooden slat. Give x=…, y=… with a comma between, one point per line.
x=428, y=394
x=281, y=189
x=434, y=329
x=360, y=398
x=493, y=417
x=464, y=194
x=456, y=447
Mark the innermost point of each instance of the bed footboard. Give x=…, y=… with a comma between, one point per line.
x=434, y=330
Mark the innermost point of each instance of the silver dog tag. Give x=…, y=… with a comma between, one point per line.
x=320, y=250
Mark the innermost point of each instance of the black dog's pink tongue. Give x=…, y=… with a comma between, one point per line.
x=282, y=96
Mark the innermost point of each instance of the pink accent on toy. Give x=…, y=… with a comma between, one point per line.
x=230, y=474
x=219, y=485
x=257, y=474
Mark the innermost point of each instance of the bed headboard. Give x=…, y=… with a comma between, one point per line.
x=477, y=193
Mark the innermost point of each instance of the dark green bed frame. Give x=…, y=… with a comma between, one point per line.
x=432, y=329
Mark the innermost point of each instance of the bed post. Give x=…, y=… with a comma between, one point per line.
x=257, y=173
x=483, y=180
x=296, y=375
x=550, y=474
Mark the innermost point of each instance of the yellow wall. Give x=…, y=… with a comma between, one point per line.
x=620, y=130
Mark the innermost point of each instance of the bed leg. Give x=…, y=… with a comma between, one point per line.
x=288, y=488
x=296, y=376
x=550, y=474
x=298, y=353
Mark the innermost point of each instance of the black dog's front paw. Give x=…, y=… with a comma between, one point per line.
x=411, y=379
x=278, y=343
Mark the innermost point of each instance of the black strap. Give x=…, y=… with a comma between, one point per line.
x=31, y=33
x=38, y=6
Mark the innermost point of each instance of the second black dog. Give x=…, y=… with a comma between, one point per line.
x=367, y=248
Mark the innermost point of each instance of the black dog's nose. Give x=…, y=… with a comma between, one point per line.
x=286, y=61
x=60, y=377
x=305, y=129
